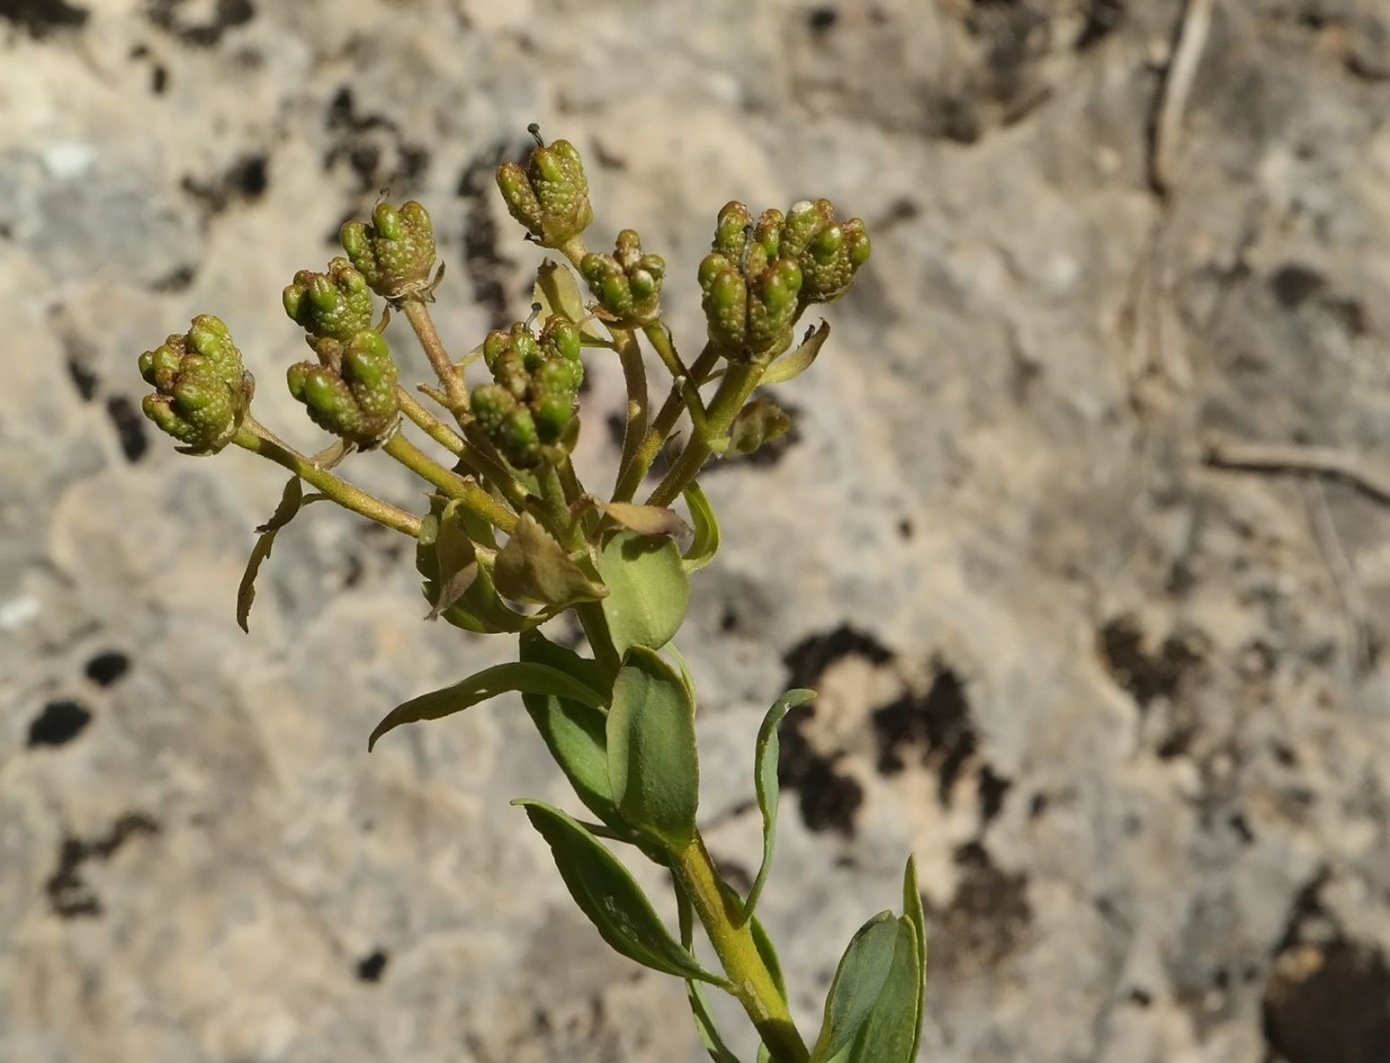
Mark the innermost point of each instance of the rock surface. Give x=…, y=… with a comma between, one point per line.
x=1129, y=710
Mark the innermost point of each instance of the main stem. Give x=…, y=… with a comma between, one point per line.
x=732, y=938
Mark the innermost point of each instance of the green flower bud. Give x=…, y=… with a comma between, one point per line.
x=829, y=252
x=627, y=283
x=395, y=254
x=550, y=197
x=352, y=394
x=336, y=304
x=202, y=390
x=518, y=440
x=560, y=339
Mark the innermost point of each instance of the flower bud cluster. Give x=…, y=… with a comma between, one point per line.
x=550, y=196
x=626, y=283
x=529, y=412
x=395, y=253
x=202, y=390
x=351, y=391
x=336, y=304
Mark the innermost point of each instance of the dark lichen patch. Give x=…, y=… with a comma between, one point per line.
x=937, y=722
x=178, y=279
x=199, y=23
x=1103, y=17
x=59, y=723
x=371, y=967
x=69, y=896
x=107, y=668
x=1145, y=676
x=372, y=147
x=822, y=19
x=988, y=916
x=245, y=181
x=486, y=265
x=43, y=18
x=1294, y=284
x=828, y=797
x=1329, y=1003
x=130, y=427
x=993, y=789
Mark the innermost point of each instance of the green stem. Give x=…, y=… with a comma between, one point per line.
x=638, y=400
x=660, y=338
x=595, y=626
x=740, y=378
x=553, y=492
x=631, y=478
x=732, y=937
x=431, y=425
x=471, y=493
x=419, y=316
x=259, y=440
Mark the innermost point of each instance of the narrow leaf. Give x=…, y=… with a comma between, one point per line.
x=648, y=590
x=647, y=520
x=794, y=363
x=653, y=768
x=765, y=757
x=534, y=568
x=912, y=911
x=456, y=559
x=890, y=1031
x=522, y=676
x=290, y=501
x=610, y=897
x=705, y=542
x=573, y=731
x=757, y=424
x=859, y=979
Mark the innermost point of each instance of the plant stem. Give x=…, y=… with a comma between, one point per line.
x=553, y=491
x=595, y=626
x=259, y=440
x=470, y=492
x=740, y=378
x=419, y=316
x=431, y=425
x=631, y=478
x=638, y=401
x=732, y=938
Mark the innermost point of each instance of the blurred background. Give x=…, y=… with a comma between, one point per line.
x=1129, y=709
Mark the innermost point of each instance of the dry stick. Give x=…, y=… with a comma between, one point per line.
x=1320, y=461
x=1343, y=575
x=1192, y=39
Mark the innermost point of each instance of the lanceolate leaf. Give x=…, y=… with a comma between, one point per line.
x=522, y=676
x=869, y=1014
x=647, y=520
x=705, y=543
x=912, y=912
x=765, y=757
x=610, y=897
x=652, y=764
x=794, y=363
x=648, y=590
x=290, y=501
x=573, y=731
x=445, y=545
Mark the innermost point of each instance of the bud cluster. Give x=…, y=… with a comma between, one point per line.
x=626, y=283
x=395, y=253
x=550, y=196
x=202, y=390
x=336, y=305
x=351, y=391
x=529, y=411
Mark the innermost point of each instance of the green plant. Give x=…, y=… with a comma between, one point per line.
x=512, y=539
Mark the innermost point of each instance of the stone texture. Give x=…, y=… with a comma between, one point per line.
x=1129, y=711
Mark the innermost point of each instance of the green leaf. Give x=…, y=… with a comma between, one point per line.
x=456, y=561
x=653, y=767
x=574, y=732
x=704, y=1021
x=647, y=520
x=912, y=911
x=794, y=363
x=648, y=590
x=558, y=292
x=869, y=1015
x=610, y=897
x=757, y=424
x=705, y=543
x=522, y=676
x=479, y=608
x=290, y=501
x=765, y=758
x=534, y=568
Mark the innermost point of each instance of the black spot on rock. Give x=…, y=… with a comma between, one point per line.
x=372, y=147
x=178, y=279
x=169, y=16
x=245, y=181
x=371, y=968
x=822, y=19
x=1328, y=1004
x=487, y=266
x=1103, y=17
x=107, y=668
x=129, y=423
x=938, y=722
x=159, y=79
x=68, y=893
x=828, y=797
x=82, y=375
x=1145, y=676
x=41, y=18
x=1294, y=284
x=616, y=424
x=993, y=789
x=58, y=724
x=989, y=913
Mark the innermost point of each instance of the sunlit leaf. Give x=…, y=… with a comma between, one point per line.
x=765, y=758
x=705, y=541
x=912, y=911
x=647, y=520
x=870, y=1016
x=648, y=590
x=534, y=568
x=557, y=291
x=795, y=362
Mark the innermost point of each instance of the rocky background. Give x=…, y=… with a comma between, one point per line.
x=1130, y=710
